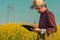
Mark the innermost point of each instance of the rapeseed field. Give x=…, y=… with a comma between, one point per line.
x=18, y=32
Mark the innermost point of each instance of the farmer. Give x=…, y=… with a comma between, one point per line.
x=46, y=21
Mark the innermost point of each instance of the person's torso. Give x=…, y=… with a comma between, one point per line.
x=43, y=20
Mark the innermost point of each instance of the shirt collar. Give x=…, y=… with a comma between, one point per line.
x=44, y=12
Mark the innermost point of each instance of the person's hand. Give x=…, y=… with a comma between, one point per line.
x=37, y=29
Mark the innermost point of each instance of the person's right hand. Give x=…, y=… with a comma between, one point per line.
x=37, y=29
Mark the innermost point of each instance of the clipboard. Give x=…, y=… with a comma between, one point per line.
x=28, y=27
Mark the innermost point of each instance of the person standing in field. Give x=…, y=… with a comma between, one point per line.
x=47, y=22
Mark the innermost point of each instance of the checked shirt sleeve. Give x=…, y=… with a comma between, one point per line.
x=51, y=20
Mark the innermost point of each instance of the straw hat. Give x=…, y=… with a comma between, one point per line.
x=38, y=3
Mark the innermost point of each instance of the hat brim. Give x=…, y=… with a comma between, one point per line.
x=43, y=3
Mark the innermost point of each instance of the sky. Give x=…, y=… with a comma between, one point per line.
x=19, y=11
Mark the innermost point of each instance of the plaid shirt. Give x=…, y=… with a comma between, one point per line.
x=47, y=20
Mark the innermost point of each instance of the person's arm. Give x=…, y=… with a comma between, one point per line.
x=37, y=29
x=51, y=21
